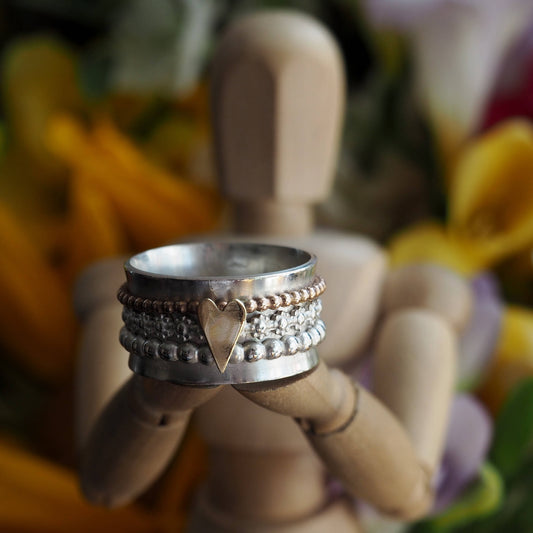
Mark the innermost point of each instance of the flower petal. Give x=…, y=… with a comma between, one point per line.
x=513, y=361
x=467, y=443
x=154, y=206
x=37, y=323
x=430, y=243
x=491, y=198
x=457, y=47
x=94, y=231
x=41, y=497
x=478, y=342
x=39, y=79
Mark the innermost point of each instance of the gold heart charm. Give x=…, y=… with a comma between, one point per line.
x=222, y=328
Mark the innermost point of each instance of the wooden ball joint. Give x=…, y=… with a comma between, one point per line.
x=277, y=106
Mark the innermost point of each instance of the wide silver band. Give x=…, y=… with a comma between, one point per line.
x=220, y=271
x=169, y=342
x=263, y=370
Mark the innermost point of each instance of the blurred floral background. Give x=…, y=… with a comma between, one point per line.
x=105, y=150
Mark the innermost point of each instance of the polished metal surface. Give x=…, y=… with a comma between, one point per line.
x=263, y=370
x=271, y=340
x=218, y=270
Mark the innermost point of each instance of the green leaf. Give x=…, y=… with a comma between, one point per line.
x=513, y=433
x=483, y=498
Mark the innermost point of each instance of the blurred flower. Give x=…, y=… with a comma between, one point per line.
x=75, y=195
x=458, y=46
x=478, y=501
x=39, y=79
x=512, y=95
x=431, y=242
x=160, y=46
x=478, y=341
x=39, y=496
x=514, y=357
x=117, y=202
x=142, y=204
x=37, y=324
x=490, y=205
x=181, y=141
x=491, y=198
x=467, y=444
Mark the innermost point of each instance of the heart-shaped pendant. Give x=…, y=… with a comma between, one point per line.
x=222, y=328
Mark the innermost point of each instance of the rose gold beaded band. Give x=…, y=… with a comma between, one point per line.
x=310, y=292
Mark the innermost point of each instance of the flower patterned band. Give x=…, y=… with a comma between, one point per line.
x=180, y=337
x=220, y=336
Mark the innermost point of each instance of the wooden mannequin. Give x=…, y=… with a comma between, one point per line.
x=277, y=104
x=100, y=369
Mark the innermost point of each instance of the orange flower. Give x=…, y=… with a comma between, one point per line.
x=153, y=206
x=38, y=496
x=37, y=323
x=118, y=203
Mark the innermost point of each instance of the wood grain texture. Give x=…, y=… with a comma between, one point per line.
x=135, y=437
x=278, y=99
x=375, y=460
x=102, y=363
x=357, y=437
x=277, y=104
x=414, y=375
x=432, y=287
x=337, y=516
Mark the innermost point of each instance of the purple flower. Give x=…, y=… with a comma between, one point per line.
x=467, y=443
x=478, y=341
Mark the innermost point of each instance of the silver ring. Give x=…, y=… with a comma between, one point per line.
x=220, y=271
x=210, y=344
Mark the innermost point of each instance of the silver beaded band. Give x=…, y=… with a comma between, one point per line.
x=179, y=337
x=263, y=303
x=215, y=313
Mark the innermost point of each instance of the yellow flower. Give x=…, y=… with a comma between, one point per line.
x=37, y=323
x=39, y=79
x=72, y=194
x=39, y=497
x=153, y=206
x=430, y=242
x=514, y=357
x=490, y=206
x=117, y=203
x=491, y=197
x=93, y=230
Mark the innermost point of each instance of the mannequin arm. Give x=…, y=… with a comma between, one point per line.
x=135, y=437
x=415, y=355
x=101, y=367
x=387, y=454
x=358, y=438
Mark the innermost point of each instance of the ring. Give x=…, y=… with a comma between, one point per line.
x=221, y=313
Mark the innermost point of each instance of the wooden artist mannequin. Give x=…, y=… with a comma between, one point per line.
x=277, y=105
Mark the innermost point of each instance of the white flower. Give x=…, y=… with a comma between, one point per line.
x=458, y=46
